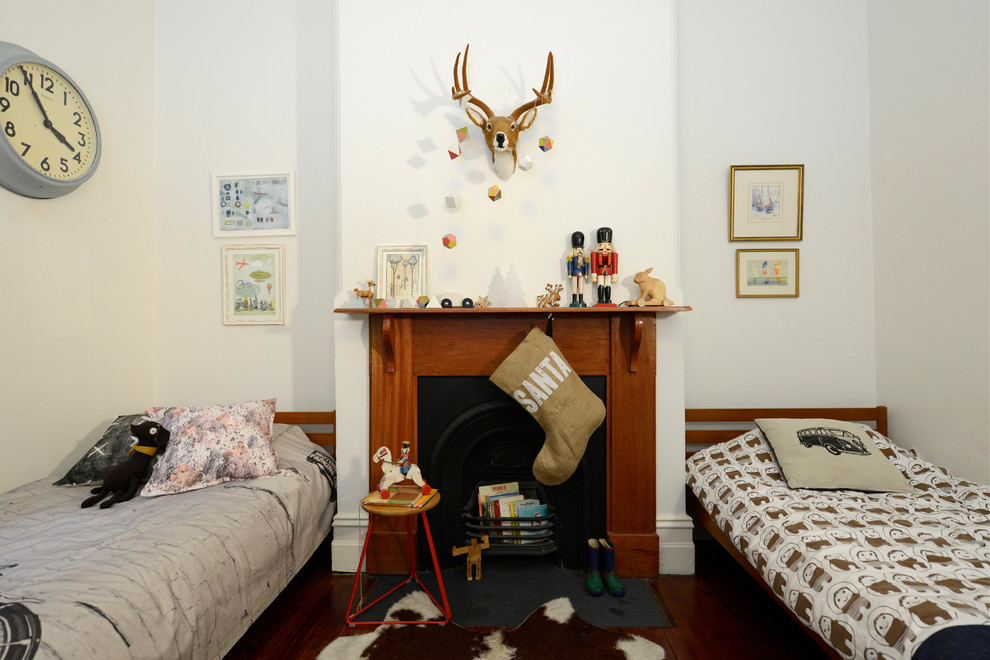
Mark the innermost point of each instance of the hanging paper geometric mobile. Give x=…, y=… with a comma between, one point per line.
x=454, y=154
x=494, y=193
x=546, y=144
x=452, y=201
x=449, y=241
x=462, y=134
x=526, y=163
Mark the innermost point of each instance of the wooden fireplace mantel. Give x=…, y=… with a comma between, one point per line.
x=616, y=342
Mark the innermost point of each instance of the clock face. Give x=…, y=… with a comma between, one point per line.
x=47, y=123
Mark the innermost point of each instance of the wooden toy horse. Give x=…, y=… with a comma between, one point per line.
x=394, y=472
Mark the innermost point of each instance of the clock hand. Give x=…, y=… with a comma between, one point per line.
x=48, y=122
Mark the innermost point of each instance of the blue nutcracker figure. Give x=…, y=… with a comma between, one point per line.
x=577, y=269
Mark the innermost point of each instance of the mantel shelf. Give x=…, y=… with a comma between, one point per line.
x=511, y=310
x=389, y=314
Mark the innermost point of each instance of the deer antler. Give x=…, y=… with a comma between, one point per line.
x=457, y=93
x=501, y=132
x=543, y=96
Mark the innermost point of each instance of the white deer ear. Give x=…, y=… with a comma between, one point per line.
x=476, y=117
x=527, y=119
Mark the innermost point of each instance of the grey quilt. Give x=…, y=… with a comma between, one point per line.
x=177, y=576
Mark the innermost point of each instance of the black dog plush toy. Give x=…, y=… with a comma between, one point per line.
x=123, y=479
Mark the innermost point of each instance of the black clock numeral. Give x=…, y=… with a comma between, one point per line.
x=4, y=104
x=82, y=139
x=11, y=87
x=27, y=148
x=45, y=165
x=9, y=129
x=63, y=165
x=78, y=121
x=47, y=83
x=78, y=157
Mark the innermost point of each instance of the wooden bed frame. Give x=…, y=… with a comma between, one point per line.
x=320, y=427
x=708, y=426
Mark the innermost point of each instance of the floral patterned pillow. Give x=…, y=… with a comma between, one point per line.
x=213, y=444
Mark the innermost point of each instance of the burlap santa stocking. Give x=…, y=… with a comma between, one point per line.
x=537, y=376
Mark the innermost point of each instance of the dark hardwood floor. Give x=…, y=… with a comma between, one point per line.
x=718, y=613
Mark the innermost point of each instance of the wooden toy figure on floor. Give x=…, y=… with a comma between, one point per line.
x=605, y=267
x=577, y=269
x=473, y=556
x=394, y=472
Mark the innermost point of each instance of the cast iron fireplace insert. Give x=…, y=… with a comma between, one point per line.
x=471, y=433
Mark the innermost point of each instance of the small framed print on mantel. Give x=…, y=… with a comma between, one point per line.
x=401, y=271
x=767, y=274
x=766, y=202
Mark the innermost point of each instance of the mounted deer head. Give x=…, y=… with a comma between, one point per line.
x=501, y=132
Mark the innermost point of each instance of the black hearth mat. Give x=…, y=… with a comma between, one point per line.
x=511, y=588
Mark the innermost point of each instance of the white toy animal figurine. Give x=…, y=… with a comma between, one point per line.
x=399, y=470
x=651, y=290
x=501, y=132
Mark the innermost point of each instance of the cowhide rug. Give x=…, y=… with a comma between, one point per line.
x=552, y=631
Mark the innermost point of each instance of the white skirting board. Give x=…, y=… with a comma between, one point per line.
x=676, y=544
x=675, y=532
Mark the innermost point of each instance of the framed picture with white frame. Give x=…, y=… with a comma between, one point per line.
x=254, y=284
x=401, y=271
x=254, y=205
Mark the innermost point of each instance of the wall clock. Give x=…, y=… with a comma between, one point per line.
x=50, y=140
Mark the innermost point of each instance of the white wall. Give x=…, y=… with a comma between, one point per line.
x=765, y=82
x=929, y=82
x=77, y=325
x=606, y=168
x=243, y=87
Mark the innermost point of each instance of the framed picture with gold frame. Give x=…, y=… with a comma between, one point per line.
x=767, y=273
x=766, y=202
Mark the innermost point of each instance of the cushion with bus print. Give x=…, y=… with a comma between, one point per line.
x=213, y=444
x=829, y=454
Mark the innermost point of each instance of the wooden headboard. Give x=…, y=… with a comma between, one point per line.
x=320, y=426
x=707, y=426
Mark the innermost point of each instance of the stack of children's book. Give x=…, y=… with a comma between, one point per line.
x=505, y=501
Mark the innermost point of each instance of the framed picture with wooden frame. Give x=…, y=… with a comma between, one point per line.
x=767, y=273
x=766, y=202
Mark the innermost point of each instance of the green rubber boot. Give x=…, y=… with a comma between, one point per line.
x=612, y=582
x=594, y=583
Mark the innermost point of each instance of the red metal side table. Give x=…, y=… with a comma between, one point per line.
x=410, y=515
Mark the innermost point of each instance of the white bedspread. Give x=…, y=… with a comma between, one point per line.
x=177, y=576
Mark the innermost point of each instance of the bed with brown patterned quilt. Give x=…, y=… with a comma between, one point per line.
x=898, y=569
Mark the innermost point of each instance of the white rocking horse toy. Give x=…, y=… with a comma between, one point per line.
x=398, y=471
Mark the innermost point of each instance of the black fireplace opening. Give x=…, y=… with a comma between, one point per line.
x=470, y=433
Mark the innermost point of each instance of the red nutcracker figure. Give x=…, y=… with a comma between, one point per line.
x=605, y=267
x=577, y=269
